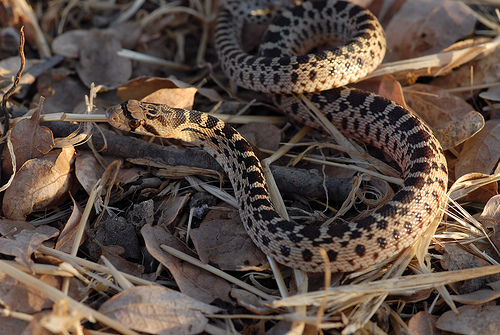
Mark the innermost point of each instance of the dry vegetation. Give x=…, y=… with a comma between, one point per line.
x=102, y=232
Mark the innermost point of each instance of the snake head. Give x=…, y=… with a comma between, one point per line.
x=127, y=116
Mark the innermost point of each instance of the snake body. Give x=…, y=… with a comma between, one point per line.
x=365, y=116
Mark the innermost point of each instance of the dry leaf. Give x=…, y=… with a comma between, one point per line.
x=158, y=310
x=456, y=258
x=8, y=227
x=423, y=27
x=390, y=88
x=251, y=302
x=453, y=119
x=141, y=87
x=461, y=188
x=29, y=140
x=477, y=297
x=483, y=70
x=25, y=299
x=222, y=240
x=173, y=97
x=263, y=135
x=491, y=211
x=481, y=152
x=23, y=244
x=67, y=237
x=193, y=281
x=477, y=320
x=170, y=208
x=100, y=63
x=69, y=43
x=113, y=254
x=62, y=90
x=39, y=184
x=423, y=323
x=88, y=171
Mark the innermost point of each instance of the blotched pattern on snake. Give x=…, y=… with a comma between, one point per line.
x=361, y=115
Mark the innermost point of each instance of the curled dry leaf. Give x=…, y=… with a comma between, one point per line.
x=477, y=297
x=423, y=27
x=23, y=244
x=88, y=171
x=100, y=63
x=173, y=97
x=491, y=212
x=39, y=184
x=158, y=310
x=29, y=140
x=141, y=87
x=193, y=281
x=391, y=89
x=453, y=119
x=481, y=152
x=471, y=320
x=68, y=234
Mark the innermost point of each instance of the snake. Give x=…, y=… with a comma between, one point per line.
x=284, y=68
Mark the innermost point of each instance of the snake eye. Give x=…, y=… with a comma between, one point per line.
x=134, y=123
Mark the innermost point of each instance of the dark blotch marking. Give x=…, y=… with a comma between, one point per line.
x=285, y=251
x=307, y=255
x=382, y=242
x=332, y=255
x=360, y=250
x=265, y=240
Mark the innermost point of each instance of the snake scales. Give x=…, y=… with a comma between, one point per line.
x=365, y=116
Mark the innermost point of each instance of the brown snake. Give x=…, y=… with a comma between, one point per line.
x=361, y=115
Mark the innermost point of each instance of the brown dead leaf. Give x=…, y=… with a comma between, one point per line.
x=222, y=239
x=453, y=119
x=251, y=302
x=29, y=140
x=456, y=258
x=491, y=211
x=423, y=323
x=173, y=97
x=391, y=89
x=23, y=244
x=483, y=70
x=193, y=281
x=113, y=255
x=63, y=90
x=493, y=94
x=9, y=227
x=481, y=152
x=477, y=297
x=423, y=27
x=69, y=43
x=481, y=195
x=21, y=298
x=39, y=184
x=158, y=310
x=88, y=171
x=141, y=87
x=170, y=208
x=263, y=135
x=100, y=63
x=477, y=320
x=67, y=237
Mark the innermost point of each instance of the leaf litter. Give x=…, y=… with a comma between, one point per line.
x=110, y=232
